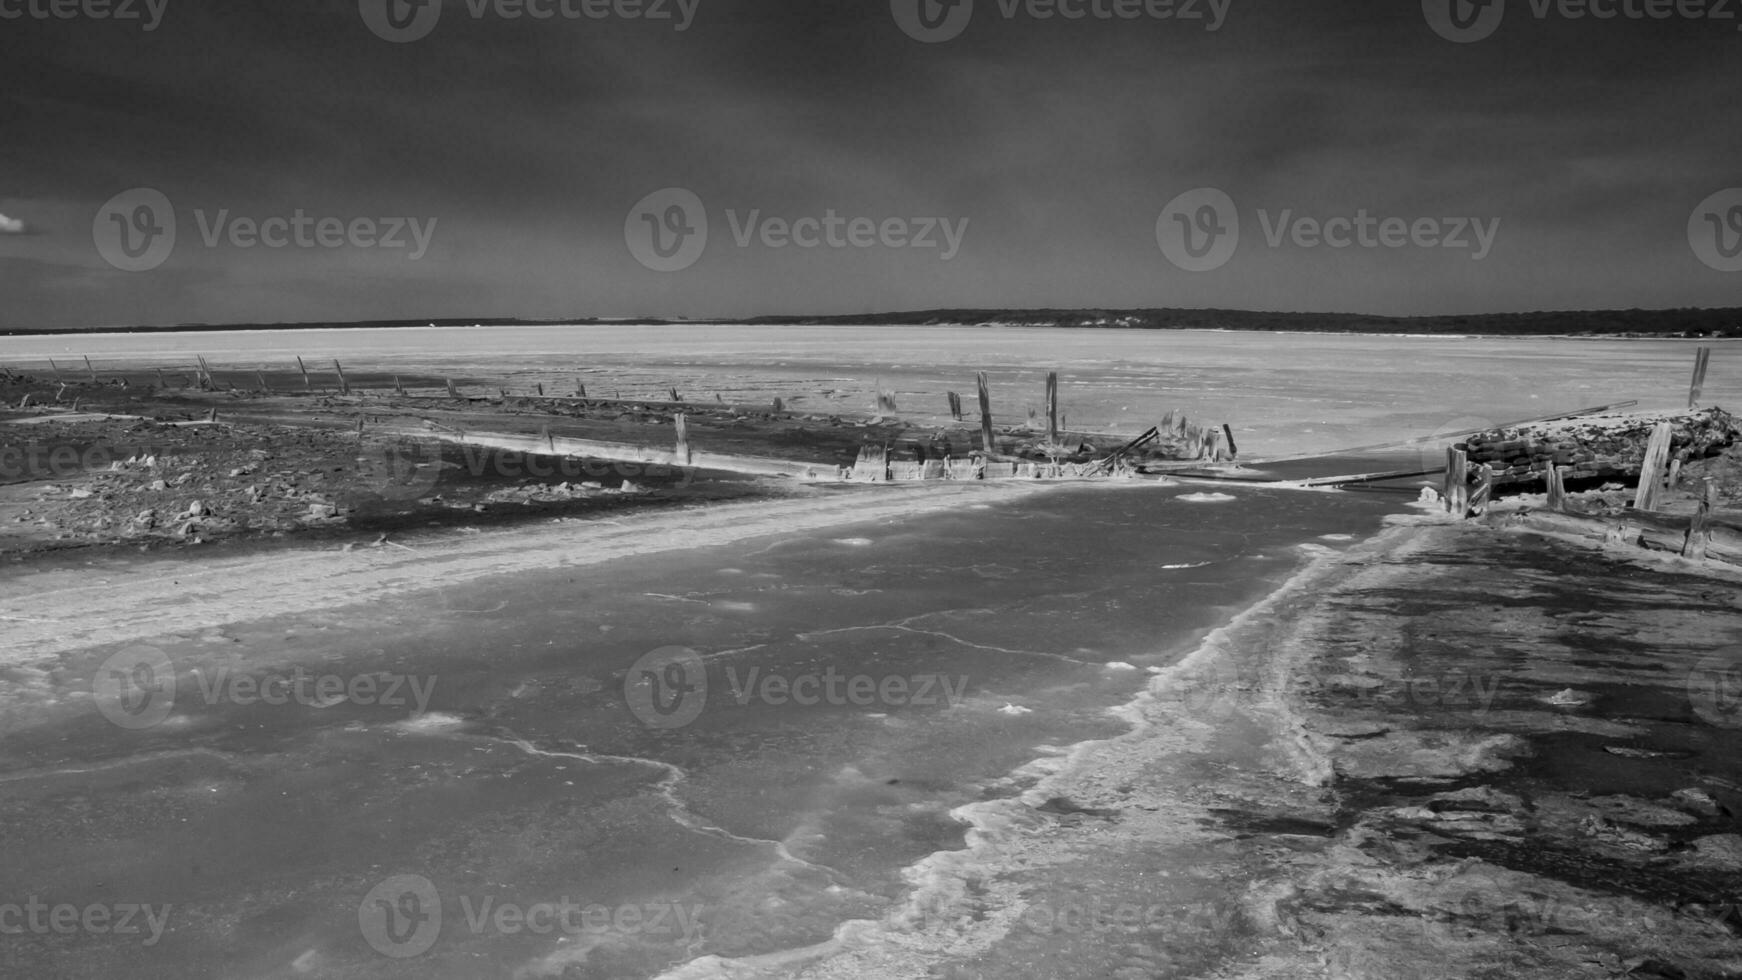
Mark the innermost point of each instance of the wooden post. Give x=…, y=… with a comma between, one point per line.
x=206, y=380
x=56, y=368
x=986, y=442
x=261, y=377
x=344, y=386
x=451, y=392
x=162, y=385
x=1484, y=495
x=1456, y=487
x=398, y=388
x=955, y=406
x=1702, y=357
x=1052, y=407
x=91, y=369
x=1555, y=477
x=1233, y=450
x=549, y=440
x=541, y=389
x=683, y=439
x=674, y=395
x=1651, y=471
x=1212, y=445
x=1699, y=531
x=1675, y=473
x=306, y=384
x=779, y=405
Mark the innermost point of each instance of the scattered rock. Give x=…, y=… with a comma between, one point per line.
x=198, y=509
x=323, y=511
x=80, y=493
x=1698, y=801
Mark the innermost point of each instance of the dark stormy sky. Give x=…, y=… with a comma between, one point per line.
x=1591, y=141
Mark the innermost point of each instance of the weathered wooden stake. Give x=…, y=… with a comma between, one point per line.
x=344, y=386
x=541, y=389
x=1233, y=450
x=451, y=392
x=674, y=395
x=1702, y=357
x=1052, y=407
x=1699, y=531
x=307, y=385
x=398, y=388
x=1651, y=471
x=955, y=406
x=683, y=439
x=1457, y=483
x=1484, y=495
x=1555, y=477
x=580, y=389
x=161, y=384
x=56, y=368
x=985, y=413
x=91, y=369
x=261, y=377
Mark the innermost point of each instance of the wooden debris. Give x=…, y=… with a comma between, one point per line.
x=1652, y=469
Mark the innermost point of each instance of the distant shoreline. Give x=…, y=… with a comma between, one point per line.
x=1619, y=324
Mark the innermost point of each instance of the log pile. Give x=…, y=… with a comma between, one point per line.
x=1606, y=449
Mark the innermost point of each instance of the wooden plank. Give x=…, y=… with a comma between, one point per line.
x=1702, y=358
x=1052, y=408
x=1337, y=481
x=986, y=441
x=1699, y=540
x=1456, y=483
x=1651, y=471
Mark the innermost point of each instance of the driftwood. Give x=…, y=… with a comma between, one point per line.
x=1656, y=532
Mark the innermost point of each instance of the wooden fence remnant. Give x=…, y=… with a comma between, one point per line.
x=1555, y=478
x=986, y=441
x=1456, y=487
x=1052, y=407
x=955, y=406
x=1652, y=470
x=683, y=439
x=1699, y=531
x=1702, y=358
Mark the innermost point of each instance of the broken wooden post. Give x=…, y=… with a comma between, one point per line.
x=1699, y=531
x=214, y=416
x=307, y=385
x=55, y=368
x=206, y=380
x=985, y=413
x=1484, y=495
x=580, y=389
x=549, y=440
x=162, y=385
x=674, y=395
x=91, y=369
x=1702, y=358
x=1651, y=470
x=779, y=406
x=260, y=376
x=541, y=389
x=1052, y=407
x=344, y=386
x=1212, y=445
x=1675, y=473
x=683, y=439
x=1555, y=477
x=451, y=392
x=1233, y=450
x=398, y=388
x=1456, y=486
x=955, y=406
